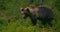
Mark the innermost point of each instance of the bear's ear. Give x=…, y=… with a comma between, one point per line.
x=21, y=9
x=27, y=9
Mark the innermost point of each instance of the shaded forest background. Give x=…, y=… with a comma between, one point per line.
x=11, y=21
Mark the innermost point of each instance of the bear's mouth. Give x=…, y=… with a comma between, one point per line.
x=24, y=16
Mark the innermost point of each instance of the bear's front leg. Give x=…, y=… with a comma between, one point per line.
x=33, y=20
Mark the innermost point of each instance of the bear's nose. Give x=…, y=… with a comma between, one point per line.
x=23, y=16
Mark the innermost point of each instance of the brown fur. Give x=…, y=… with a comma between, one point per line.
x=42, y=12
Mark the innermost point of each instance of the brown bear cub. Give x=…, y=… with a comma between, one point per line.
x=42, y=13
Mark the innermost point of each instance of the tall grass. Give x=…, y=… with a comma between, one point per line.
x=22, y=25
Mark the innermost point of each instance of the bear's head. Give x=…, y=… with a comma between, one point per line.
x=25, y=12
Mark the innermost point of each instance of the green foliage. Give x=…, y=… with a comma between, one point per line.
x=57, y=4
x=21, y=25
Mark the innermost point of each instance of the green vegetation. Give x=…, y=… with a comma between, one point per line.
x=11, y=8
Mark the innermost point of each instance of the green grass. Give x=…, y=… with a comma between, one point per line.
x=21, y=25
